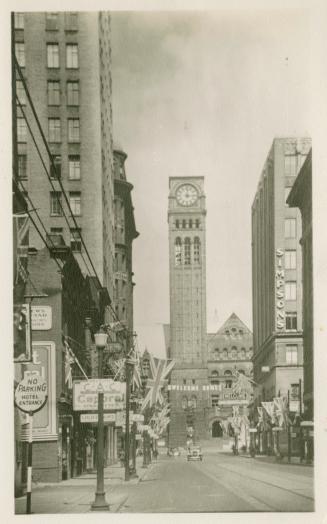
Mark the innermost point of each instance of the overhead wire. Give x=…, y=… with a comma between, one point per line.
x=49, y=176
x=52, y=161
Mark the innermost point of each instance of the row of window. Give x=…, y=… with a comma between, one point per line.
x=293, y=163
x=51, y=21
x=54, y=92
x=187, y=224
x=224, y=354
x=53, y=58
x=183, y=251
x=74, y=167
x=74, y=198
x=54, y=130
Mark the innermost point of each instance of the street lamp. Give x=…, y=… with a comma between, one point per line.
x=100, y=503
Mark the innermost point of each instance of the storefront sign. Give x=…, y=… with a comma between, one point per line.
x=280, y=290
x=85, y=394
x=120, y=275
x=31, y=393
x=41, y=318
x=93, y=417
x=44, y=363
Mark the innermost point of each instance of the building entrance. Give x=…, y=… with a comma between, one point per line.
x=216, y=429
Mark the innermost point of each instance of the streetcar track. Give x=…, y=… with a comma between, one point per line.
x=266, y=483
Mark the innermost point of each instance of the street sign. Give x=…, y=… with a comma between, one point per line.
x=85, y=394
x=31, y=393
x=93, y=417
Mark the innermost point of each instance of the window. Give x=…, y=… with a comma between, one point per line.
x=21, y=130
x=295, y=392
x=290, y=164
x=56, y=230
x=290, y=259
x=243, y=353
x=214, y=373
x=53, y=56
x=225, y=354
x=187, y=252
x=193, y=402
x=55, y=166
x=197, y=223
x=75, y=202
x=75, y=240
x=184, y=402
x=196, y=250
x=291, y=321
x=72, y=93
x=55, y=203
x=145, y=367
x=291, y=355
x=234, y=353
x=184, y=381
x=53, y=93
x=290, y=290
x=228, y=384
x=74, y=167
x=19, y=20
x=72, y=56
x=73, y=130
x=20, y=91
x=193, y=380
x=184, y=224
x=71, y=21
x=54, y=128
x=177, y=224
x=216, y=354
x=22, y=166
x=190, y=223
x=214, y=400
x=51, y=21
x=227, y=373
x=290, y=228
x=178, y=252
x=20, y=53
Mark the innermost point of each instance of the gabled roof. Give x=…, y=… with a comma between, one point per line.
x=233, y=322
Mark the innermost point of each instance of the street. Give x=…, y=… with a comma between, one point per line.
x=221, y=483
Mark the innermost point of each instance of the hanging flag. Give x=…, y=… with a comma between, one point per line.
x=243, y=384
x=159, y=369
x=270, y=409
x=69, y=361
x=21, y=240
x=281, y=410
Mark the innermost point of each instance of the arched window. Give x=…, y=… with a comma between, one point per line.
x=196, y=250
x=234, y=352
x=241, y=371
x=184, y=402
x=190, y=223
x=177, y=224
x=187, y=251
x=225, y=354
x=214, y=373
x=227, y=373
x=184, y=224
x=197, y=223
x=178, y=251
x=243, y=353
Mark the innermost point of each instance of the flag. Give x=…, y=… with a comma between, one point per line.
x=69, y=361
x=243, y=384
x=159, y=370
x=281, y=410
x=21, y=239
x=270, y=409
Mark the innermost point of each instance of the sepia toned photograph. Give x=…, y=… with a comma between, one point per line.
x=163, y=267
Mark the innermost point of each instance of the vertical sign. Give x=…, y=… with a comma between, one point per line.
x=280, y=290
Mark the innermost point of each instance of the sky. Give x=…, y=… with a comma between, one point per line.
x=203, y=94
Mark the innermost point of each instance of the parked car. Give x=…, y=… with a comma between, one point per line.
x=194, y=453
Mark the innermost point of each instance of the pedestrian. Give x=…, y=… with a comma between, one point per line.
x=155, y=454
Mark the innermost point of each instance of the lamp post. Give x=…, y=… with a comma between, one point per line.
x=100, y=503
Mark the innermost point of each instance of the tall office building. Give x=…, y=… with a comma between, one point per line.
x=187, y=265
x=66, y=62
x=277, y=275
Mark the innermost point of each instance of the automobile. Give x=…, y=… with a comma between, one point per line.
x=194, y=453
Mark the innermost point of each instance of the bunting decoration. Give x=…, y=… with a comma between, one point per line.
x=243, y=383
x=159, y=370
x=69, y=361
x=270, y=409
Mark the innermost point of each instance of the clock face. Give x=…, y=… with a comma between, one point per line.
x=186, y=195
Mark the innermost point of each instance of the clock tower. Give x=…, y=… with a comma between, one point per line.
x=188, y=326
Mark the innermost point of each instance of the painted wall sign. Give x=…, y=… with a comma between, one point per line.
x=44, y=421
x=280, y=290
x=85, y=394
x=41, y=318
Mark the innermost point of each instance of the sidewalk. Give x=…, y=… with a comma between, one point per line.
x=77, y=494
x=271, y=459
